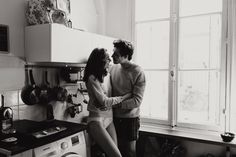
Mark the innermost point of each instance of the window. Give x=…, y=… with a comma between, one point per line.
x=181, y=46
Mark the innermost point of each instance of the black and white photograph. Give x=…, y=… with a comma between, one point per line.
x=117, y=78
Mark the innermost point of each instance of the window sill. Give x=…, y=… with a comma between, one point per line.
x=184, y=134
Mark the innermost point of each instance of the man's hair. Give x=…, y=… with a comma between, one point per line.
x=96, y=64
x=125, y=48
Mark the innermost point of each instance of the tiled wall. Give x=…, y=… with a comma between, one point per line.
x=20, y=110
x=37, y=112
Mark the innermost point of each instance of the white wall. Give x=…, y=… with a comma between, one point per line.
x=84, y=15
x=12, y=13
x=119, y=19
x=11, y=65
x=101, y=10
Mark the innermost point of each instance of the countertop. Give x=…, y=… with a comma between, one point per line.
x=25, y=140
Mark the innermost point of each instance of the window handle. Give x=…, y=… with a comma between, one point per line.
x=172, y=73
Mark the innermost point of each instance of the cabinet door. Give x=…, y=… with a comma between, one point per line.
x=70, y=45
x=38, y=43
x=57, y=43
x=28, y=153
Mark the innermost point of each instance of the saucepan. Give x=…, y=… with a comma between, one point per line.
x=59, y=93
x=45, y=91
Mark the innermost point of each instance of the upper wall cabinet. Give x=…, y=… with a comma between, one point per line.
x=57, y=43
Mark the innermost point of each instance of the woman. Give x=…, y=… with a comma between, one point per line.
x=100, y=121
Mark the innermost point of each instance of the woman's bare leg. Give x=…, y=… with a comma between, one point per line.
x=112, y=131
x=103, y=139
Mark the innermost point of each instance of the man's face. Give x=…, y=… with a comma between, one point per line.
x=117, y=58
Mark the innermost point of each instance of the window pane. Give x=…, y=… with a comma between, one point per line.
x=194, y=7
x=153, y=45
x=155, y=101
x=198, y=97
x=200, y=47
x=151, y=9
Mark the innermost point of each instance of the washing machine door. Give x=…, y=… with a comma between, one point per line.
x=71, y=154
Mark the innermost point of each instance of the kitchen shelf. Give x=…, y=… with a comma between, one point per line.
x=80, y=66
x=57, y=43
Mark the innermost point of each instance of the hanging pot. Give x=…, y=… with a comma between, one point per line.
x=34, y=94
x=30, y=91
x=45, y=91
x=26, y=89
x=59, y=93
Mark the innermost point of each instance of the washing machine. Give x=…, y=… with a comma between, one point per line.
x=71, y=146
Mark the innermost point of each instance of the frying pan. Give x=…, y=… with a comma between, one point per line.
x=45, y=91
x=26, y=89
x=30, y=91
x=59, y=93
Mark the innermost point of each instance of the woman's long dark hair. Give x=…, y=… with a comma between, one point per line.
x=96, y=64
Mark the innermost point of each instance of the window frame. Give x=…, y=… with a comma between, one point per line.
x=173, y=63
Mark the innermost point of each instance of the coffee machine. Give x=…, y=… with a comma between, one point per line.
x=6, y=118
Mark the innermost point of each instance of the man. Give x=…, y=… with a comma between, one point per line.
x=126, y=77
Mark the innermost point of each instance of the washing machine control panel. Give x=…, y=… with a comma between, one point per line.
x=64, y=145
x=75, y=140
x=73, y=144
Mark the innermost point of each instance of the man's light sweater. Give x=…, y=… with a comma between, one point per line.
x=128, y=79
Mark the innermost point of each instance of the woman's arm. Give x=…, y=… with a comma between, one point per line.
x=95, y=86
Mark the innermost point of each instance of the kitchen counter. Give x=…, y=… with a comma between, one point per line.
x=25, y=130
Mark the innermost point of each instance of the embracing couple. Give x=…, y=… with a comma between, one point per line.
x=115, y=94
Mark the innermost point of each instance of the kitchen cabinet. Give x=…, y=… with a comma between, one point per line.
x=27, y=153
x=58, y=43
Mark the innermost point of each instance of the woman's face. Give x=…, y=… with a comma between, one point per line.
x=107, y=62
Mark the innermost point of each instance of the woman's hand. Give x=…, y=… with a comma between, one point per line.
x=124, y=97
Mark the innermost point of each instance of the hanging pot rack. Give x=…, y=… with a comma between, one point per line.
x=79, y=66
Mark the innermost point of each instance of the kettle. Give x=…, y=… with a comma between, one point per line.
x=6, y=120
x=6, y=113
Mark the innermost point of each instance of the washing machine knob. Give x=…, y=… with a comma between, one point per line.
x=64, y=145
